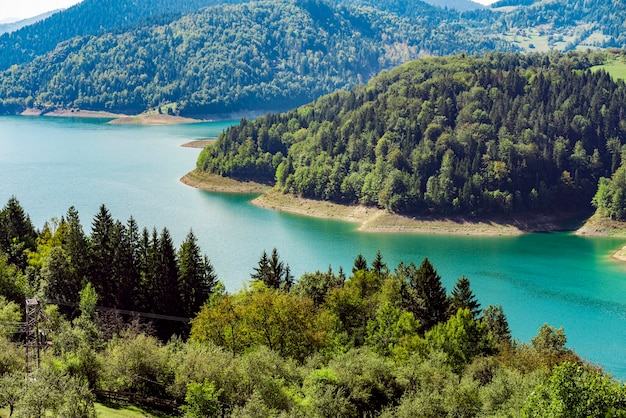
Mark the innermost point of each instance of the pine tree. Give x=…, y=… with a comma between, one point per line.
x=379, y=267
x=196, y=276
x=102, y=254
x=495, y=320
x=169, y=301
x=423, y=294
x=464, y=298
x=16, y=233
x=76, y=246
x=273, y=272
x=360, y=263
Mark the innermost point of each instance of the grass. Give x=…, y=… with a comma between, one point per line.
x=117, y=410
x=616, y=68
x=113, y=410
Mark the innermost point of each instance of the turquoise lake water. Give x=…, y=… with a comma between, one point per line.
x=561, y=279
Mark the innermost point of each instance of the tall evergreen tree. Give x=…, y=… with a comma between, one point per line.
x=495, y=319
x=273, y=272
x=423, y=294
x=379, y=266
x=463, y=298
x=360, y=263
x=169, y=301
x=76, y=246
x=196, y=276
x=103, y=252
x=17, y=233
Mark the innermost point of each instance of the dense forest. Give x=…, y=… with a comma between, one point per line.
x=227, y=58
x=91, y=17
x=379, y=341
x=507, y=133
x=604, y=16
x=211, y=57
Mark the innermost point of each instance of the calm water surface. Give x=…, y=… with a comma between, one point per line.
x=50, y=164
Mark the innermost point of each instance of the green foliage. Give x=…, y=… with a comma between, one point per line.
x=17, y=233
x=226, y=58
x=273, y=272
x=10, y=318
x=462, y=338
x=48, y=392
x=463, y=298
x=392, y=329
x=497, y=324
x=201, y=401
x=500, y=134
x=610, y=199
x=318, y=285
x=423, y=294
x=281, y=321
x=576, y=391
x=135, y=363
x=550, y=340
x=327, y=346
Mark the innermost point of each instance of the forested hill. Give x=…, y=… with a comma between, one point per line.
x=568, y=24
x=91, y=17
x=265, y=55
x=507, y=133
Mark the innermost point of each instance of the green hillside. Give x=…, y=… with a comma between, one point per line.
x=504, y=134
x=256, y=56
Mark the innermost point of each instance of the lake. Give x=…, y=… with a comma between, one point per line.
x=561, y=279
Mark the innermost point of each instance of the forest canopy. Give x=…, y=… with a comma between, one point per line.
x=503, y=134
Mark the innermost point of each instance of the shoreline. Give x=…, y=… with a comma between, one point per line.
x=199, y=143
x=372, y=219
x=215, y=183
x=376, y=220
x=115, y=118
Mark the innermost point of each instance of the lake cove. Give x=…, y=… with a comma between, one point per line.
x=561, y=279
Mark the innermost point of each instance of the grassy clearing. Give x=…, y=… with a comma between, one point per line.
x=114, y=410
x=616, y=68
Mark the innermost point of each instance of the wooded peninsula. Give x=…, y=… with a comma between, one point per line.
x=507, y=137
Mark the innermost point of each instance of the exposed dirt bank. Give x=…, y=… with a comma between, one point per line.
x=155, y=119
x=215, y=183
x=200, y=143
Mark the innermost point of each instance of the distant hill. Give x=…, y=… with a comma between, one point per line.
x=254, y=56
x=567, y=25
x=91, y=17
x=19, y=24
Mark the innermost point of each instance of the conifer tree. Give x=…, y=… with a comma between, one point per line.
x=273, y=272
x=423, y=294
x=378, y=265
x=103, y=252
x=169, y=301
x=360, y=263
x=76, y=246
x=463, y=298
x=196, y=277
x=16, y=232
x=495, y=319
